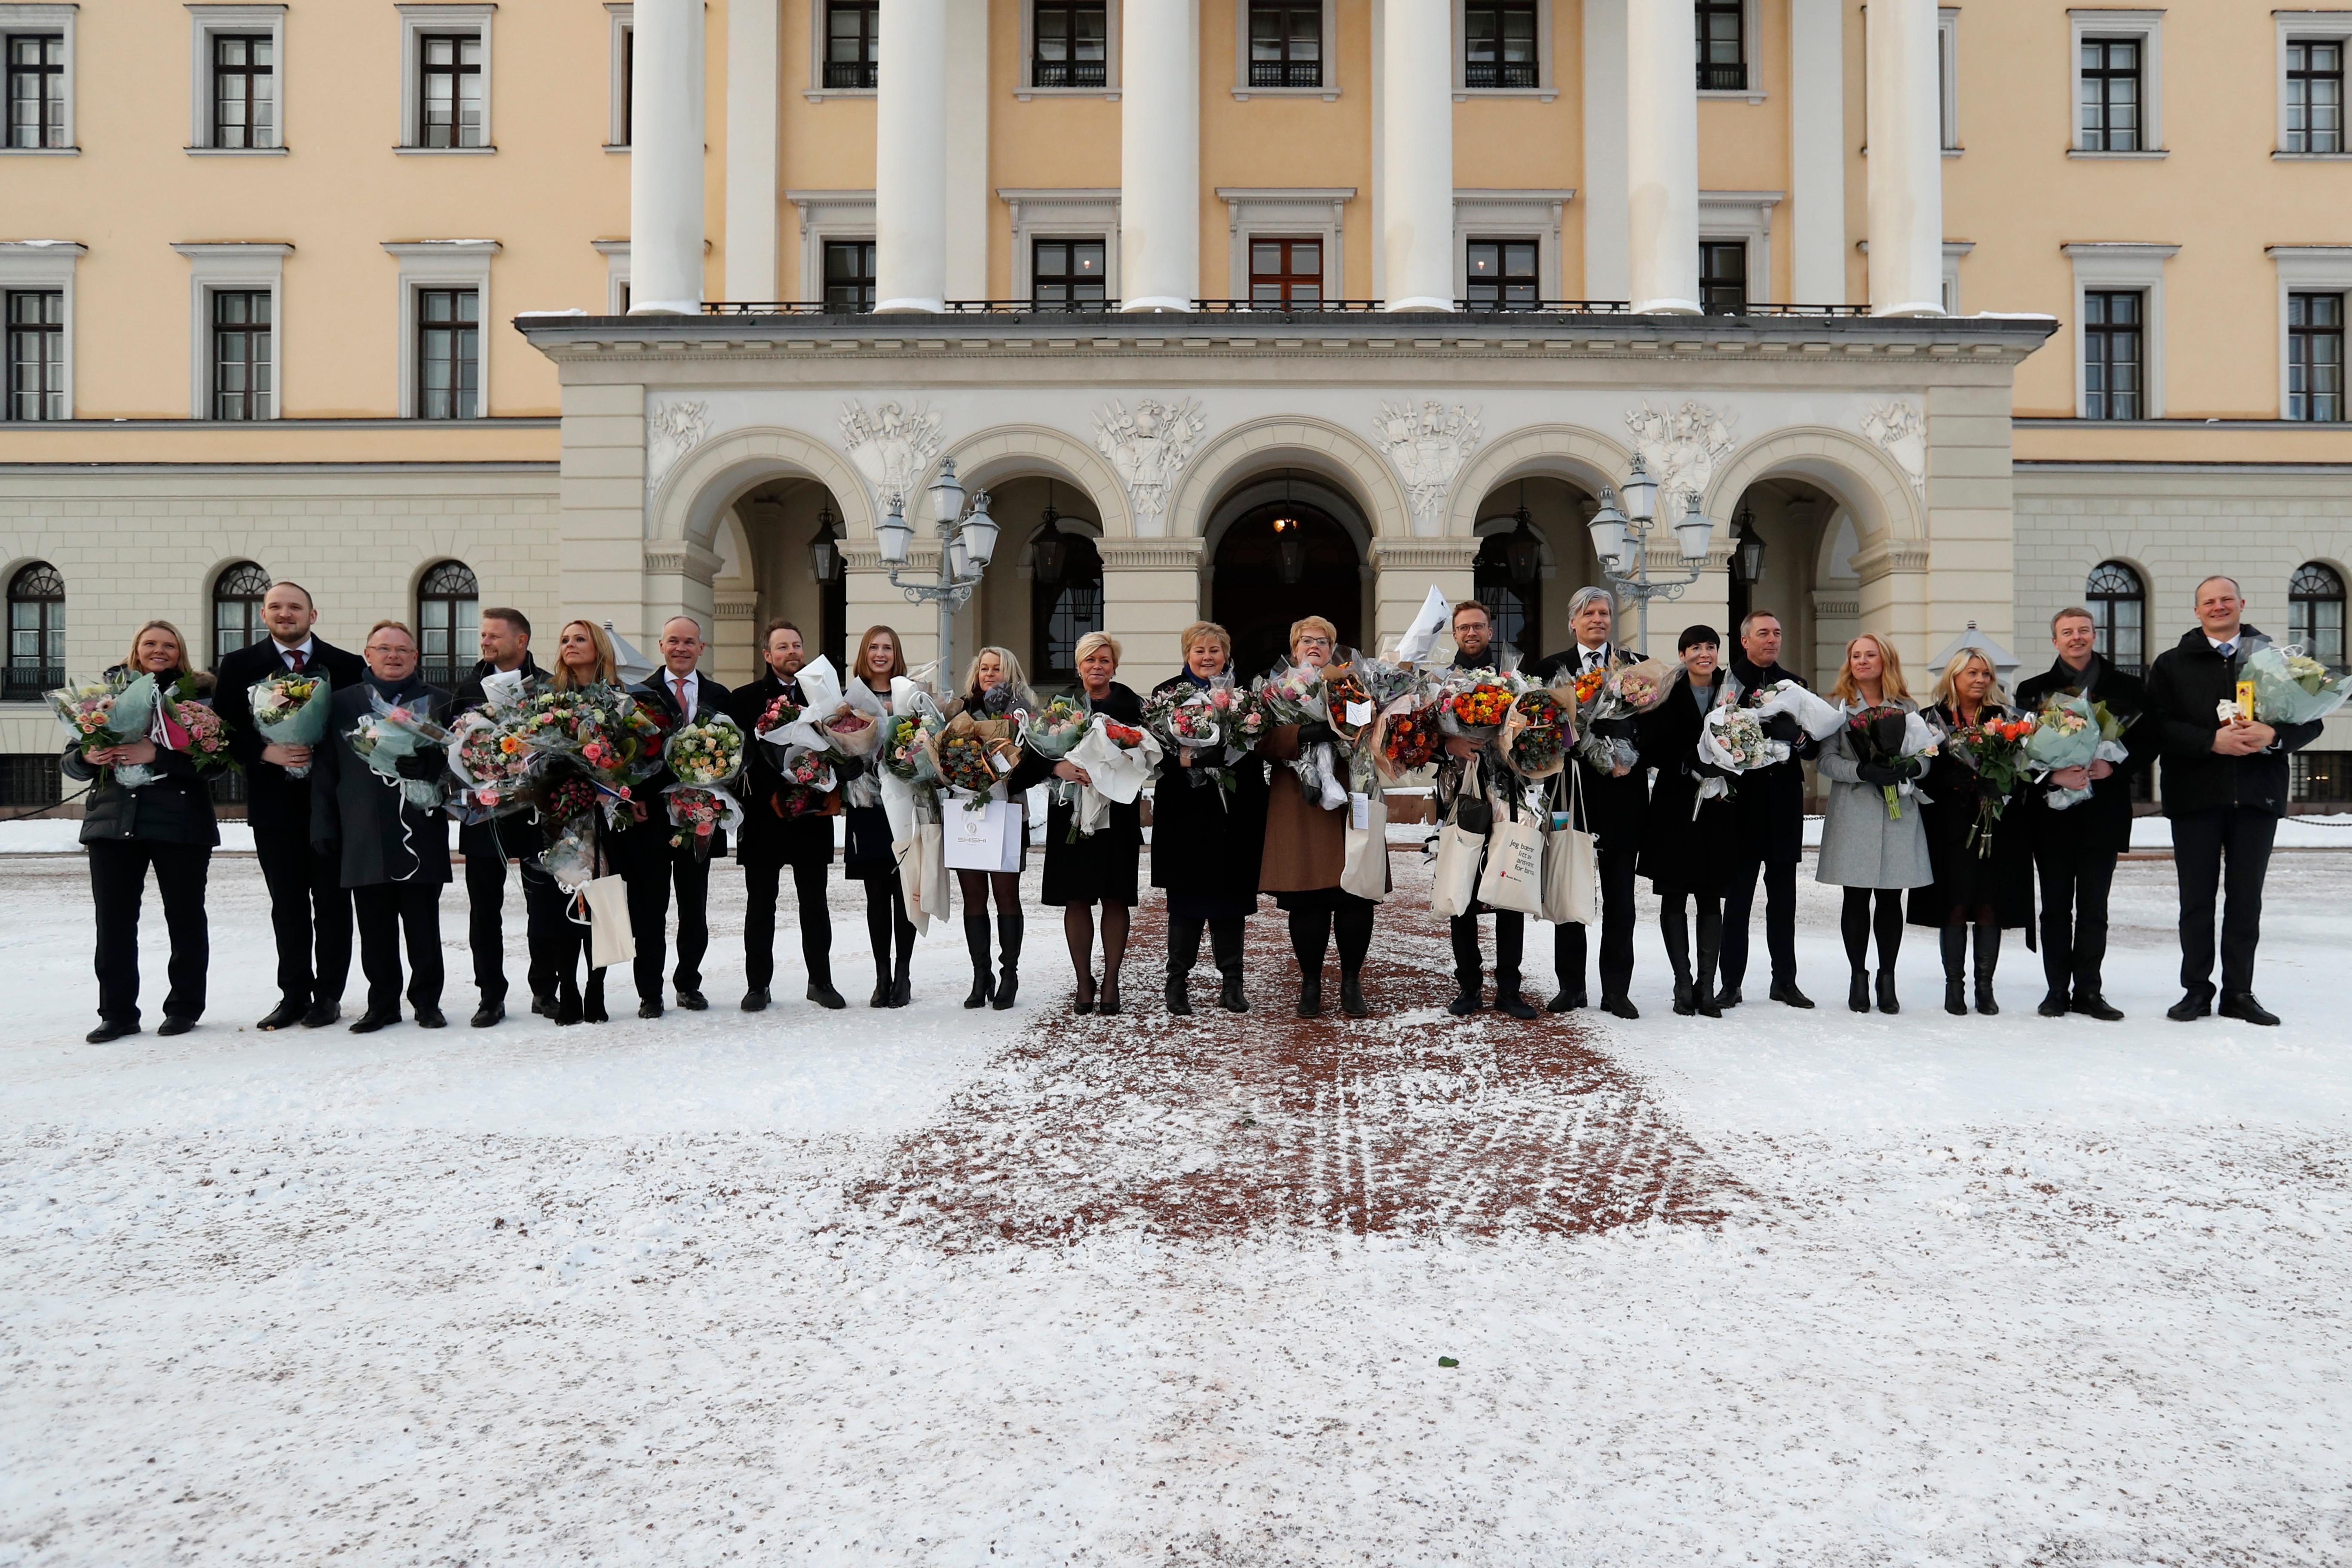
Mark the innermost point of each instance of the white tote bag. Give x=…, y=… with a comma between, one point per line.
x=1455, y=885
x=987, y=839
x=1366, y=873
x=1570, y=868
x=933, y=899
x=1515, y=864
x=610, y=940
x=909, y=853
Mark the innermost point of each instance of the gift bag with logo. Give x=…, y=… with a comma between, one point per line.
x=1454, y=884
x=1366, y=871
x=610, y=940
x=985, y=838
x=1570, y=868
x=1514, y=874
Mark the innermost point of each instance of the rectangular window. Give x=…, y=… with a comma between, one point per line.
x=1499, y=42
x=849, y=38
x=2319, y=776
x=849, y=274
x=36, y=90
x=448, y=354
x=241, y=353
x=1286, y=272
x=1286, y=44
x=449, y=89
x=36, y=353
x=1500, y=273
x=2314, y=358
x=244, y=91
x=2113, y=354
x=1722, y=46
x=1072, y=44
x=2111, y=95
x=1723, y=276
x=1068, y=273
x=2315, y=95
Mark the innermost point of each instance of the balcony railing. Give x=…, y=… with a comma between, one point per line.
x=1251, y=307
x=1068, y=73
x=1285, y=73
x=1723, y=78
x=32, y=682
x=1499, y=73
x=849, y=73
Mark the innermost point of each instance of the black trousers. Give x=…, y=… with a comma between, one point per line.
x=1511, y=944
x=2074, y=886
x=762, y=882
x=388, y=912
x=649, y=878
x=1779, y=920
x=308, y=905
x=2202, y=842
x=1616, y=867
x=486, y=897
x=118, y=883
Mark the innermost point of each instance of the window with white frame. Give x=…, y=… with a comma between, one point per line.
x=1954, y=250
x=1284, y=46
x=37, y=308
x=1050, y=216
x=1947, y=76
x=234, y=328
x=237, y=56
x=1523, y=220
x=2119, y=328
x=2312, y=49
x=615, y=253
x=444, y=79
x=621, y=23
x=2315, y=612
x=2118, y=83
x=2315, y=291
x=1723, y=36
x=1501, y=44
x=1068, y=46
x=444, y=305
x=832, y=216
x=1741, y=219
x=37, y=48
x=1287, y=245
x=2117, y=597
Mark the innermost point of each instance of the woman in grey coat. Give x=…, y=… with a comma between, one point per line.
x=1866, y=848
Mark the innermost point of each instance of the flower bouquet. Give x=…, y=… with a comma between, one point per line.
x=1214, y=719
x=1295, y=695
x=974, y=755
x=809, y=781
x=291, y=710
x=1608, y=696
x=1893, y=737
x=599, y=730
x=1816, y=715
x=193, y=728
x=111, y=712
x=1476, y=711
x=2291, y=687
x=1535, y=737
x=396, y=741
x=1994, y=750
x=2071, y=732
x=1406, y=735
x=1119, y=760
x=706, y=755
x=908, y=749
x=488, y=758
x=1732, y=740
x=1055, y=733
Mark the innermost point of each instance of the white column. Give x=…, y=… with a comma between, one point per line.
x=969, y=204
x=752, y=193
x=1605, y=274
x=1159, y=154
x=1817, y=152
x=1417, y=155
x=1662, y=155
x=910, y=171
x=1906, y=160
x=666, y=159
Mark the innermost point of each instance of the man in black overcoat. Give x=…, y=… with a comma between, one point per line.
x=1614, y=802
x=676, y=693
x=1475, y=648
x=772, y=838
x=489, y=844
x=1770, y=803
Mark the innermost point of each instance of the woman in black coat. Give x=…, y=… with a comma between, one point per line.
x=166, y=823
x=1688, y=845
x=868, y=856
x=1100, y=868
x=1986, y=884
x=1206, y=843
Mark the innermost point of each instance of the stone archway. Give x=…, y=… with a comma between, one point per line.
x=1317, y=445
x=1582, y=457
x=1005, y=450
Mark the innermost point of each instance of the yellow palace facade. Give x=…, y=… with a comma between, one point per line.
x=1937, y=316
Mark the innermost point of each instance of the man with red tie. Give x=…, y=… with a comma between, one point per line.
x=677, y=692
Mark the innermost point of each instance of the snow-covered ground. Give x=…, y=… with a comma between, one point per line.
x=960, y=1288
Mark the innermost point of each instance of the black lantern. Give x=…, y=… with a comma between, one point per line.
x=1050, y=551
x=1289, y=541
x=1523, y=552
x=1747, y=549
x=824, y=550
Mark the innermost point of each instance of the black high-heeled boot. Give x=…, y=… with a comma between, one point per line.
x=1886, y=1002
x=1183, y=952
x=1955, y=965
x=1676, y=937
x=1225, y=944
x=567, y=1000
x=1008, y=960
x=592, y=1006
x=975, y=943
x=1710, y=948
x=1857, y=994
x=1988, y=960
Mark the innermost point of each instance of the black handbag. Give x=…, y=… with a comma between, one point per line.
x=1475, y=814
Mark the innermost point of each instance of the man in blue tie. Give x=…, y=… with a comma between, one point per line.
x=2224, y=783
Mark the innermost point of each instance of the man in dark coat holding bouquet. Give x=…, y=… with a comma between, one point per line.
x=392, y=851
x=1475, y=649
x=2225, y=787
x=489, y=844
x=775, y=836
x=676, y=693
x=1614, y=805
x=1770, y=807
x=2074, y=850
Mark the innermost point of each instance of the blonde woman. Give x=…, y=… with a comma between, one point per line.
x=1306, y=851
x=584, y=658
x=1084, y=871
x=1205, y=847
x=1988, y=885
x=994, y=688
x=1865, y=850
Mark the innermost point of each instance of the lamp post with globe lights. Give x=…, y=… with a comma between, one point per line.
x=1622, y=541
x=966, y=537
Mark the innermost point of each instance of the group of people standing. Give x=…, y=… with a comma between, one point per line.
x=341, y=846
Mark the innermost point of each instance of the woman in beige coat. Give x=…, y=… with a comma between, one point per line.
x=1307, y=851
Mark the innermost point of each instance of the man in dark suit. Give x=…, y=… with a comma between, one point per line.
x=1475, y=649
x=773, y=837
x=676, y=692
x=489, y=844
x=390, y=850
x=1614, y=803
x=2074, y=850
x=308, y=902
x=1770, y=813
x=2225, y=787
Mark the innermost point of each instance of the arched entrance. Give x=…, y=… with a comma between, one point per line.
x=1277, y=560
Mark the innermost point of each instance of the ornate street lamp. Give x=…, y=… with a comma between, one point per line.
x=1623, y=542
x=966, y=537
x=1289, y=541
x=1522, y=550
x=1747, y=549
x=1050, y=551
x=824, y=550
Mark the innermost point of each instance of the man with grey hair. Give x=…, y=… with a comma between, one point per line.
x=1613, y=801
x=676, y=693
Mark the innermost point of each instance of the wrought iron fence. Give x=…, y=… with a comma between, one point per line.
x=1068, y=73
x=1722, y=79
x=1270, y=308
x=848, y=73
x=31, y=682
x=1499, y=73
x=1285, y=73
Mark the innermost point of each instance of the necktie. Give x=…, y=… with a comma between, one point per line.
x=679, y=681
x=2227, y=650
x=296, y=659
x=1591, y=659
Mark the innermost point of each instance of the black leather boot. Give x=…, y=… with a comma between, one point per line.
x=1886, y=1002
x=567, y=1001
x=1675, y=934
x=1857, y=993
x=1225, y=944
x=1710, y=947
x=1008, y=953
x=1183, y=952
x=592, y=1006
x=1956, y=966
x=1988, y=960
x=1351, y=995
x=1311, y=995
x=975, y=941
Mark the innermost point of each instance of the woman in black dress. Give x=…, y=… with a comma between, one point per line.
x=1688, y=845
x=584, y=658
x=867, y=856
x=1098, y=868
x=1988, y=884
x=1206, y=843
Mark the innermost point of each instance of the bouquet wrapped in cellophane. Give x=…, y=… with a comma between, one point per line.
x=1994, y=750
x=1055, y=732
x=1293, y=694
x=407, y=749
x=706, y=755
x=1537, y=734
x=1610, y=696
x=291, y=710
x=598, y=734
x=2291, y=687
x=1732, y=740
x=1406, y=736
x=1893, y=737
x=193, y=728
x=2071, y=730
x=1119, y=760
x=1220, y=718
x=111, y=712
x=974, y=755
x=1472, y=706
